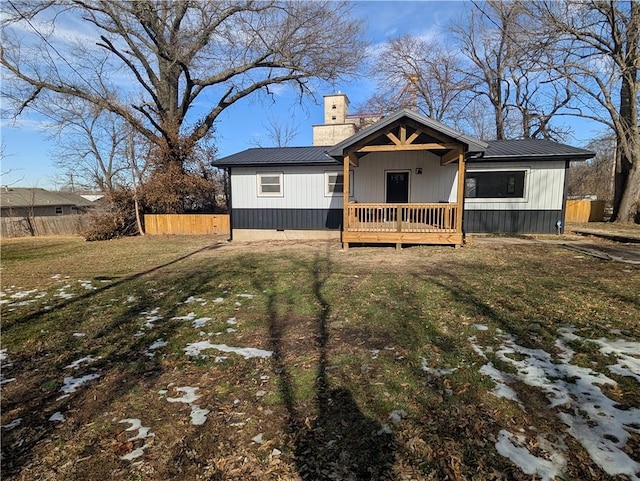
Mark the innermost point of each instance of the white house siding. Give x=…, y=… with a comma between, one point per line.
x=436, y=183
x=303, y=205
x=538, y=212
x=544, y=186
x=303, y=188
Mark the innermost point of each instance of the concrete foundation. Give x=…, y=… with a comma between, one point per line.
x=267, y=234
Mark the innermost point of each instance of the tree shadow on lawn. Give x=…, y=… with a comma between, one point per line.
x=40, y=369
x=341, y=442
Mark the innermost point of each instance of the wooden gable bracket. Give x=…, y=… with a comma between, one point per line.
x=451, y=156
x=391, y=148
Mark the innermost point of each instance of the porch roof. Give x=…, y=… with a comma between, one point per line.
x=473, y=145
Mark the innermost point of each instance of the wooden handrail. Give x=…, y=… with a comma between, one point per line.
x=380, y=217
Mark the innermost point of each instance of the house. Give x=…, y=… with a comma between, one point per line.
x=35, y=202
x=406, y=179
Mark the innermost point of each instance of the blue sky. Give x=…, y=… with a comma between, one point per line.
x=28, y=154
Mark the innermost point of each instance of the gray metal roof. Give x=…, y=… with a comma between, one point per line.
x=277, y=156
x=35, y=197
x=496, y=150
x=532, y=149
x=473, y=144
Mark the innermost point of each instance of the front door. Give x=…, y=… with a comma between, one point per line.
x=397, y=187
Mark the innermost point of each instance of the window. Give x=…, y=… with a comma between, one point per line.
x=59, y=210
x=270, y=185
x=495, y=184
x=334, y=182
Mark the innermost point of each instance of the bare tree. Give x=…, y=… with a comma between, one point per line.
x=423, y=75
x=595, y=176
x=149, y=62
x=91, y=146
x=523, y=97
x=595, y=46
x=278, y=132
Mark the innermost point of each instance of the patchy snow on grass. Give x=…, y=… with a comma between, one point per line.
x=23, y=294
x=3, y=365
x=473, y=340
x=143, y=434
x=397, y=415
x=79, y=362
x=501, y=379
x=593, y=419
x=218, y=300
x=628, y=356
x=188, y=397
x=15, y=423
x=513, y=447
x=157, y=344
x=232, y=321
x=57, y=417
x=63, y=294
x=437, y=372
x=246, y=296
x=195, y=349
x=192, y=299
x=151, y=317
x=189, y=317
x=72, y=383
x=79, y=334
x=198, y=415
x=87, y=285
x=200, y=322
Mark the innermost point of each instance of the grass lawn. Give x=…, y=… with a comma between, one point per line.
x=190, y=358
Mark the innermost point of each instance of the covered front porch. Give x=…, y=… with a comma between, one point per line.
x=409, y=171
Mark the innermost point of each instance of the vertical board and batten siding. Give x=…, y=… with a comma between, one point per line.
x=539, y=210
x=187, y=224
x=304, y=205
x=437, y=183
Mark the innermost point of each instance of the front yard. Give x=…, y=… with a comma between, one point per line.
x=189, y=358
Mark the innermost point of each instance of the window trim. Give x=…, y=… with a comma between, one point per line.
x=259, y=184
x=479, y=200
x=328, y=193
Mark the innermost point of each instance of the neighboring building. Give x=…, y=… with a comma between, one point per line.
x=338, y=123
x=33, y=202
x=409, y=180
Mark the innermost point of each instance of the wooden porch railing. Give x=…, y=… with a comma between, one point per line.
x=419, y=218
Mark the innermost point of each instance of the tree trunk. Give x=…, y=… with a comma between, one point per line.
x=627, y=189
x=626, y=195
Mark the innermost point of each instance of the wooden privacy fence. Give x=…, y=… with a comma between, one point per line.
x=44, y=225
x=187, y=224
x=584, y=210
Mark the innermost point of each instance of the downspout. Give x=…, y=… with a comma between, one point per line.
x=227, y=188
x=464, y=187
x=560, y=223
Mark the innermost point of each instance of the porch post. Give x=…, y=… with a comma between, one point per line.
x=460, y=207
x=345, y=198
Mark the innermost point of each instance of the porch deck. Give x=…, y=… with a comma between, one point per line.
x=402, y=223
